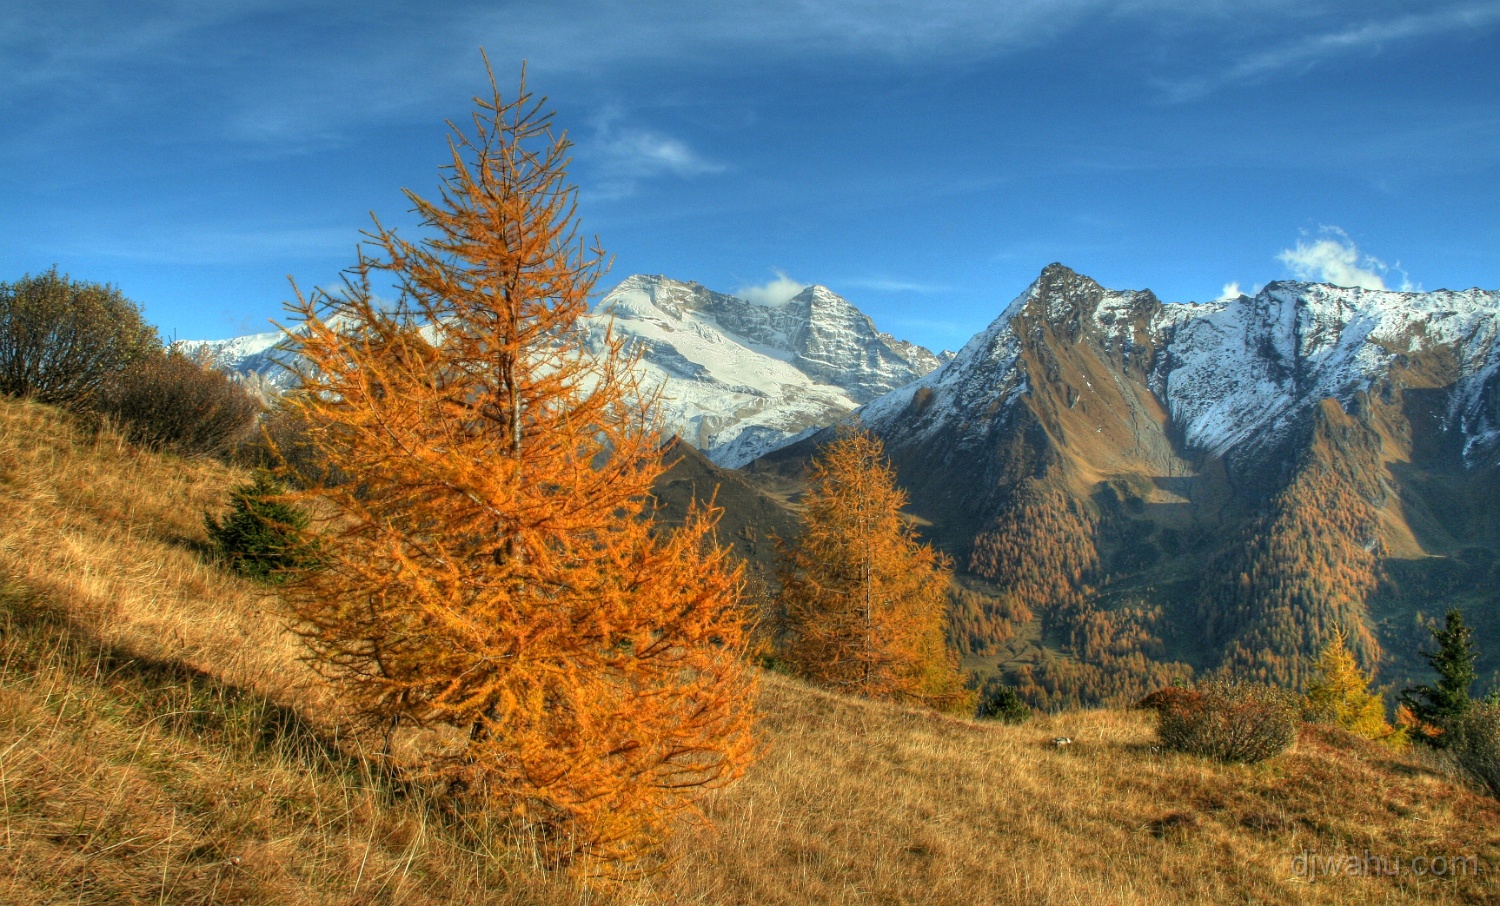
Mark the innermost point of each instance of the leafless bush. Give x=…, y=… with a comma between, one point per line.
x=284, y=444
x=62, y=341
x=1229, y=721
x=1476, y=744
x=169, y=401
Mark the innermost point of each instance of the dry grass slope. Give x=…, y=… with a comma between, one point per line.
x=858, y=802
x=160, y=743
x=159, y=740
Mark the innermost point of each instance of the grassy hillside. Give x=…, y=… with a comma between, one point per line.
x=159, y=740
x=161, y=743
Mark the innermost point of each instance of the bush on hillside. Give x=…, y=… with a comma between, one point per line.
x=1229, y=721
x=1475, y=743
x=262, y=537
x=1170, y=697
x=62, y=342
x=171, y=401
x=997, y=701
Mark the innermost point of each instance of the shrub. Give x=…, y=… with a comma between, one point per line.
x=1170, y=697
x=170, y=401
x=997, y=701
x=1229, y=721
x=1475, y=744
x=262, y=537
x=61, y=341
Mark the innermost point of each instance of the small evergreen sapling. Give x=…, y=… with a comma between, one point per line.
x=262, y=537
x=998, y=701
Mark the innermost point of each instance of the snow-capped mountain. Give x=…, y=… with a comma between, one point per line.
x=252, y=358
x=739, y=378
x=1225, y=482
x=1239, y=372
x=1234, y=376
x=735, y=378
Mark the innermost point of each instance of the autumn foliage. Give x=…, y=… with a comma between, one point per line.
x=487, y=569
x=1303, y=569
x=981, y=624
x=1340, y=694
x=1040, y=551
x=864, y=600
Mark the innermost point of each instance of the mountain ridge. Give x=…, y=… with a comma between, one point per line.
x=1100, y=456
x=735, y=377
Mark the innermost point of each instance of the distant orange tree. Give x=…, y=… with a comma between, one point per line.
x=487, y=564
x=1339, y=693
x=864, y=601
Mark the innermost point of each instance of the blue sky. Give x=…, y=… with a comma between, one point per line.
x=925, y=160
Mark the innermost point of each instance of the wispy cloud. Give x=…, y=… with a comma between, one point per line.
x=284, y=77
x=622, y=154
x=288, y=76
x=212, y=245
x=1301, y=53
x=1231, y=290
x=1334, y=258
x=773, y=293
x=885, y=285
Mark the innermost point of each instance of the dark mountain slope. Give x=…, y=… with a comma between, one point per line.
x=1218, y=485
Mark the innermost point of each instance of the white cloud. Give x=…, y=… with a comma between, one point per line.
x=772, y=293
x=1334, y=258
x=622, y=154
x=1231, y=290
x=641, y=152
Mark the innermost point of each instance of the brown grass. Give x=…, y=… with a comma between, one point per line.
x=858, y=802
x=159, y=740
x=160, y=743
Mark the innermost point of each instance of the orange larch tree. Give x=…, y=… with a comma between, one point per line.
x=487, y=564
x=864, y=601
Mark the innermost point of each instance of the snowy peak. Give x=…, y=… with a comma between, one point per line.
x=1242, y=371
x=736, y=378
x=837, y=342
x=1243, y=470
x=1236, y=376
x=657, y=296
x=820, y=332
x=739, y=378
x=1041, y=338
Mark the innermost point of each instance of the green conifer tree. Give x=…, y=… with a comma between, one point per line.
x=1436, y=708
x=262, y=536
